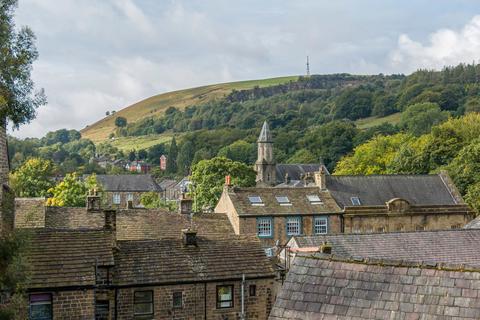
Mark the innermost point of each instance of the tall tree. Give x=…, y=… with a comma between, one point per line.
x=33, y=178
x=120, y=122
x=172, y=157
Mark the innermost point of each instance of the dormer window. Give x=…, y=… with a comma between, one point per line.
x=314, y=199
x=255, y=201
x=355, y=201
x=283, y=200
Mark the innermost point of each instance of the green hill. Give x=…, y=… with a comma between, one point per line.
x=156, y=105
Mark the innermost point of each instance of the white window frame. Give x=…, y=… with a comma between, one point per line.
x=293, y=226
x=130, y=196
x=356, y=201
x=313, y=199
x=283, y=200
x=116, y=198
x=319, y=223
x=255, y=202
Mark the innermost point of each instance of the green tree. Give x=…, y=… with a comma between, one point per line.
x=152, y=200
x=465, y=167
x=185, y=157
x=18, y=101
x=240, y=150
x=421, y=117
x=120, y=122
x=472, y=196
x=374, y=157
x=172, y=157
x=72, y=191
x=33, y=178
x=303, y=156
x=208, y=177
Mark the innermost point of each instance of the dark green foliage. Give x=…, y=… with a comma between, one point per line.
x=185, y=157
x=172, y=157
x=241, y=151
x=421, y=117
x=354, y=104
x=120, y=122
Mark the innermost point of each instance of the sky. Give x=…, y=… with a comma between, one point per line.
x=98, y=56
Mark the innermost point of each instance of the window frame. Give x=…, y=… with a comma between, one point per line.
x=270, y=219
x=259, y=203
x=48, y=302
x=129, y=197
x=140, y=315
x=314, y=224
x=174, y=306
x=314, y=202
x=300, y=226
x=355, y=201
x=232, y=300
x=283, y=203
x=252, y=290
x=114, y=196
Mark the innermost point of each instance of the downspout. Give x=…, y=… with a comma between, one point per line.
x=116, y=302
x=205, y=301
x=242, y=315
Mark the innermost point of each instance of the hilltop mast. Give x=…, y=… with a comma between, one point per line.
x=308, y=68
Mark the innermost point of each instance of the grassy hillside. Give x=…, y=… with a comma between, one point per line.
x=156, y=105
x=369, y=122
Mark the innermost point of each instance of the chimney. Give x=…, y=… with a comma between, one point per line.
x=185, y=204
x=320, y=179
x=94, y=201
x=110, y=220
x=287, y=178
x=189, y=237
x=326, y=248
x=228, y=182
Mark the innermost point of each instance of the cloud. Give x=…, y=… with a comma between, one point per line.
x=445, y=47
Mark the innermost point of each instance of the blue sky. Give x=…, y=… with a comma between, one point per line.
x=104, y=55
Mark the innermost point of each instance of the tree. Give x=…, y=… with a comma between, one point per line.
x=132, y=155
x=33, y=178
x=72, y=191
x=472, y=196
x=185, y=157
x=18, y=101
x=374, y=157
x=120, y=122
x=152, y=200
x=465, y=167
x=142, y=154
x=172, y=157
x=421, y=117
x=240, y=150
x=303, y=156
x=208, y=178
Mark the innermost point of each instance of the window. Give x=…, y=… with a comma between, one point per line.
x=225, y=296
x=320, y=225
x=102, y=308
x=41, y=306
x=255, y=201
x=129, y=196
x=283, y=201
x=314, y=199
x=116, y=198
x=269, y=252
x=143, y=303
x=294, y=226
x=264, y=227
x=252, y=290
x=456, y=226
x=178, y=299
x=419, y=228
x=381, y=229
x=355, y=201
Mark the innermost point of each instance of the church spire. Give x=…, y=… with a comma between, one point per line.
x=265, y=135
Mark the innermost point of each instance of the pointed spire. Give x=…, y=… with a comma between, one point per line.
x=265, y=135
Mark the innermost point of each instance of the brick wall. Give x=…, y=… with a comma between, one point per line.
x=73, y=305
x=256, y=307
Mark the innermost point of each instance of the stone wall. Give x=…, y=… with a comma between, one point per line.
x=248, y=225
x=123, y=199
x=29, y=212
x=194, y=302
x=78, y=304
x=72, y=218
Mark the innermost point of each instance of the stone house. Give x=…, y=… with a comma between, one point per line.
x=146, y=264
x=276, y=214
x=123, y=188
x=403, y=275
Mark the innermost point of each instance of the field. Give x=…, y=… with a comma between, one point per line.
x=375, y=121
x=138, y=143
x=156, y=105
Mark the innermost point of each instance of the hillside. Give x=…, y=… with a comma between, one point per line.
x=156, y=105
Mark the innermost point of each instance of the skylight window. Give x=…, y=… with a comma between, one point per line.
x=283, y=200
x=255, y=201
x=355, y=201
x=314, y=199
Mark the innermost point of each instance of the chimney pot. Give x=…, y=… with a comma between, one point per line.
x=94, y=201
x=228, y=180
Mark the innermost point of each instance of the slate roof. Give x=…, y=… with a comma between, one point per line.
x=297, y=196
x=167, y=184
x=265, y=134
x=62, y=258
x=474, y=224
x=378, y=189
x=295, y=171
x=29, y=212
x=327, y=287
x=128, y=182
x=448, y=246
x=168, y=260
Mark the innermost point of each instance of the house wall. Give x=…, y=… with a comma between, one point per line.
x=225, y=206
x=405, y=222
x=248, y=225
x=78, y=304
x=194, y=301
x=123, y=198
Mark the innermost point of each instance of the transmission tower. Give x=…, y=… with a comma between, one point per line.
x=308, y=68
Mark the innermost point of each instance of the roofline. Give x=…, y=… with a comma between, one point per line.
x=393, y=263
x=384, y=175
x=290, y=214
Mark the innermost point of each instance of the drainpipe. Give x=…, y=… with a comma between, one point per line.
x=242, y=315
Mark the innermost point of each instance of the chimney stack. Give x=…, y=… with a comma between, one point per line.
x=287, y=178
x=94, y=201
x=110, y=220
x=185, y=204
x=320, y=179
x=189, y=237
x=228, y=182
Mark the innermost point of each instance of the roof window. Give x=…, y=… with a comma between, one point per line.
x=314, y=199
x=283, y=200
x=255, y=201
x=355, y=201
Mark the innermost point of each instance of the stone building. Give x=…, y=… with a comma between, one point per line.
x=6, y=194
x=269, y=173
x=145, y=264
x=121, y=189
x=405, y=275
